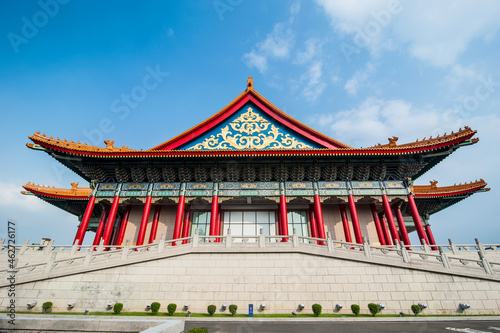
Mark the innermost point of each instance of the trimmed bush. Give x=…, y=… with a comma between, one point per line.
x=171, y=309
x=198, y=330
x=155, y=307
x=415, y=309
x=46, y=306
x=233, y=308
x=374, y=309
x=211, y=309
x=355, y=309
x=316, y=309
x=117, y=308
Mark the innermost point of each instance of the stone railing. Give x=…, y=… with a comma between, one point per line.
x=48, y=259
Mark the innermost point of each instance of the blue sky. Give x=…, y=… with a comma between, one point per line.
x=359, y=73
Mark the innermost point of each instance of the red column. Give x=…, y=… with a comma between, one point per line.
x=154, y=226
x=111, y=220
x=383, y=223
x=123, y=225
x=355, y=220
x=178, y=217
x=319, y=218
x=80, y=234
x=219, y=225
x=402, y=226
x=430, y=237
x=214, y=215
x=378, y=226
x=144, y=221
x=187, y=225
x=390, y=218
x=416, y=219
x=100, y=227
x=345, y=223
x=312, y=221
x=280, y=224
x=284, y=217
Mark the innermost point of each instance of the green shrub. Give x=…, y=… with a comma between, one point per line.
x=155, y=307
x=415, y=309
x=374, y=309
x=46, y=306
x=355, y=309
x=316, y=309
x=171, y=309
x=211, y=309
x=198, y=330
x=117, y=308
x=233, y=308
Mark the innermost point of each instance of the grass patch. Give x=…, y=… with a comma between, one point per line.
x=239, y=315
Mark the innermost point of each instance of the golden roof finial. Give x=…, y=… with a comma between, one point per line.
x=109, y=144
x=250, y=83
x=393, y=141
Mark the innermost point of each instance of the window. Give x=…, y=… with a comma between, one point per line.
x=298, y=220
x=249, y=223
x=201, y=220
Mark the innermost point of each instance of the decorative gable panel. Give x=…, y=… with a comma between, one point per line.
x=250, y=128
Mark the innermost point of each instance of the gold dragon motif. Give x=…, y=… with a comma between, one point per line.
x=250, y=123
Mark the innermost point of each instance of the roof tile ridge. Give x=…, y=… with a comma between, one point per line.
x=76, y=145
x=73, y=191
x=466, y=131
x=434, y=189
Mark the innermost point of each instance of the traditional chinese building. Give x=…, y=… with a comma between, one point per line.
x=250, y=167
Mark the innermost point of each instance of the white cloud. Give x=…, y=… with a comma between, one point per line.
x=278, y=44
x=11, y=198
x=359, y=79
x=436, y=32
x=314, y=86
x=375, y=120
x=459, y=76
x=254, y=59
x=35, y=218
x=311, y=49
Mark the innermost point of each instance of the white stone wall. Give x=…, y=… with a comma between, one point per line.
x=281, y=280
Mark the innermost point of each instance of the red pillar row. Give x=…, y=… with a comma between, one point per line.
x=187, y=225
x=312, y=222
x=390, y=219
x=385, y=229
x=345, y=223
x=378, y=226
x=430, y=236
x=319, y=218
x=100, y=227
x=214, y=215
x=144, y=221
x=82, y=229
x=154, y=226
x=111, y=220
x=178, y=217
x=355, y=220
x=416, y=220
x=402, y=226
x=283, y=217
x=219, y=224
x=123, y=225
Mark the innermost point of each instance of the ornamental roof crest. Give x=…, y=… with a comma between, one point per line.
x=250, y=131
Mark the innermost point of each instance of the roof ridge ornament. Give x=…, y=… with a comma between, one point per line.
x=249, y=83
